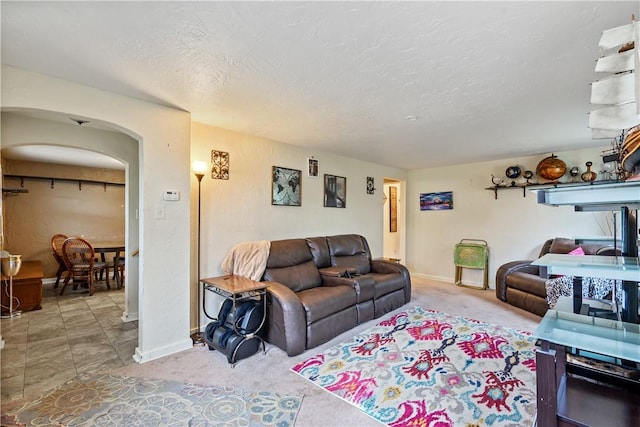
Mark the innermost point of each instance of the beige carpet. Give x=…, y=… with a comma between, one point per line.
x=271, y=371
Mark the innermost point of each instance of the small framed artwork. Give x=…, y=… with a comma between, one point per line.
x=436, y=201
x=286, y=187
x=219, y=164
x=335, y=191
x=312, y=167
x=371, y=187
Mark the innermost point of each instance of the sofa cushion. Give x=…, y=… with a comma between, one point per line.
x=297, y=278
x=322, y=301
x=387, y=283
x=288, y=252
x=562, y=245
x=319, y=251
x=349, y=250
x=290, y=262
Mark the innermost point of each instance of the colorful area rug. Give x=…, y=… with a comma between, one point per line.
x=425, y=368
x=109, y=400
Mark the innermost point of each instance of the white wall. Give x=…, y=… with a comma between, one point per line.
x=514, y=226
x=164, y=140
x=239, y=209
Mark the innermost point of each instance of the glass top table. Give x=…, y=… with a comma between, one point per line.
x=598, y=335
x=604, y=267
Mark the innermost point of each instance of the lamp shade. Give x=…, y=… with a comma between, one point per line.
x=11, y=265
x=199, y=167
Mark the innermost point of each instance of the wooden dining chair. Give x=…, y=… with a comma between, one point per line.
x=56, y=246
x=118, y=270
x=79, y=258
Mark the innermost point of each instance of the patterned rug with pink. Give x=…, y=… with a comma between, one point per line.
x=425, y=368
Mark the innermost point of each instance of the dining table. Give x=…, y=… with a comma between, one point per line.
x=117, y=248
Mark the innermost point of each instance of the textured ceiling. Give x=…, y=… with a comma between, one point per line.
x=483, y=80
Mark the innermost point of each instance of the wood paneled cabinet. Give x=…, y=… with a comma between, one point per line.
x=27, y=287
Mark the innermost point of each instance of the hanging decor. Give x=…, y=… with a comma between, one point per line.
x=313, y=167
x=335, y=191
x=393, y=209
x=371, y=188
x=219, y=165
x=286, y=186
x=442, y=200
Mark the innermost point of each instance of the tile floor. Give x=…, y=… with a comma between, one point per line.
x=72, y=334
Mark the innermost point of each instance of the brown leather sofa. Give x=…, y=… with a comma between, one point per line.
x=523, y=285
x=320, y=287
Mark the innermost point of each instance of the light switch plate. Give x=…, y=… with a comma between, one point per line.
x=160, y=211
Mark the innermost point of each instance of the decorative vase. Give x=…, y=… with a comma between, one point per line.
x=589, y=175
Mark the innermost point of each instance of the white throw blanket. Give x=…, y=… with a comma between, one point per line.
x=248, y=259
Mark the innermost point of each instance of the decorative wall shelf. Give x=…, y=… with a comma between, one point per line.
x=52, y=180
x=600, y=188
x=523, y=186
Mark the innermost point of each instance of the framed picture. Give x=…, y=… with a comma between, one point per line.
x=335, y=191
x=371, y=187
x=393, y=209
x=286, y=187
x=436, y=201
x=312, y=167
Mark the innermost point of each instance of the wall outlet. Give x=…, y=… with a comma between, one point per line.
x=171, y=195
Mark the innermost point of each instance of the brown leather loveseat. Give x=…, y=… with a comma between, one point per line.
x=320, y=287
x=523, y=285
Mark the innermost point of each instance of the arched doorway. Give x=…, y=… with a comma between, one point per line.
x=26, y=127
x=163, y=134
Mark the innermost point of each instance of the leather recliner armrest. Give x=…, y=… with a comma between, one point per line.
x=337, y=271
x=504, y=270
x=287, y=323
x=355, y=282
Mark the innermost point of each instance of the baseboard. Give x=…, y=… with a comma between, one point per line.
x=129, y=317
x=142, y=357
x=450, y=280
x=431, y=277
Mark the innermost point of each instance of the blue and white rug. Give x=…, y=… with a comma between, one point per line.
x=110, y=400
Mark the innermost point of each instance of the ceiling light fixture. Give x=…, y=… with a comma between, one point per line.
x=412, y=118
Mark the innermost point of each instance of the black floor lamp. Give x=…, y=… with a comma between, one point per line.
x=199, y=169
